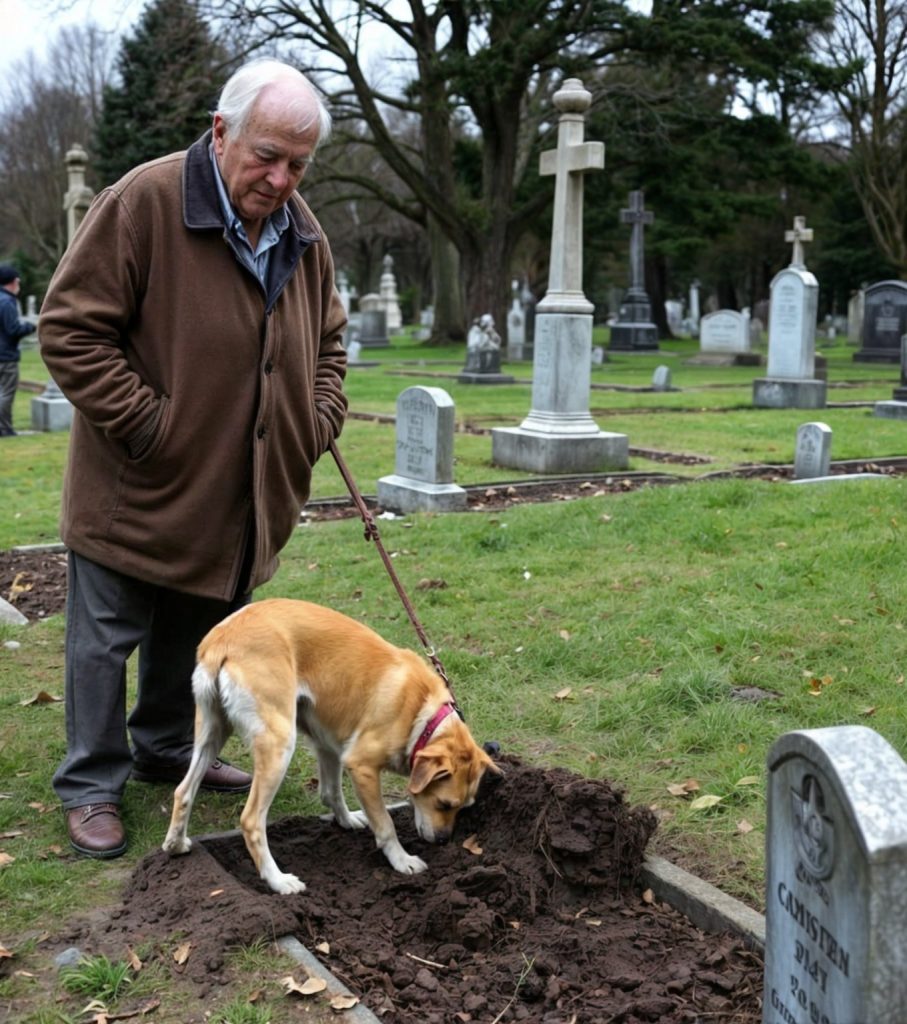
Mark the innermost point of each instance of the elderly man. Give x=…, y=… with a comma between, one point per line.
x=195, y=327
x=12, y=329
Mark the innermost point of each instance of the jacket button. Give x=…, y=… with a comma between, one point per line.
x=261, y=432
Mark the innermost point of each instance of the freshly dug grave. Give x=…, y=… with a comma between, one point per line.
x=533, y=913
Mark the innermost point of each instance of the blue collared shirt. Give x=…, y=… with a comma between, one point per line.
x=257, y=260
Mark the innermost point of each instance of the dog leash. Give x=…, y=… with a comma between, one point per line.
x=371, y=533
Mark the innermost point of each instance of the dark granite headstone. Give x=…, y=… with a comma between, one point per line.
x=884, y=322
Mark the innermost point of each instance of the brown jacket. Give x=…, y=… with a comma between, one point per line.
x=202, y=403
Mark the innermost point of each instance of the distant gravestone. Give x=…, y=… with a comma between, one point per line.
x=354, y=352
x=483, y=355
x=51, y=410
x=836, y=879
x=812, y=454
x=373, y=329
x=855, y=317
x=634, y=330
x=791, y=381
x=896, y=409
x=516, y=327
x=694, y=308
x=724, y=331
x=423, y=477
x=884, y=322
x=426, y=323
x=388, y=293
x=661, y=379
x=343, y=290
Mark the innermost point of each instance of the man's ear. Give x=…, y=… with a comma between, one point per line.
x=426, y=769
x=218, y=133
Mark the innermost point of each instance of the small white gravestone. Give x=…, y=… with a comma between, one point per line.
x=423, y=477
x=836, y=879
x=51, y=410
x=516, y=327
x=354, y=352
x=388, y=293
x=812, y=456
x=661, y=379
x=726, y=330
x=343, y=290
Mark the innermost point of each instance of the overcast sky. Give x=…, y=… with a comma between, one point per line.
x=29, y=25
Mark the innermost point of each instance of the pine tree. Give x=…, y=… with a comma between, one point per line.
x=170, y=71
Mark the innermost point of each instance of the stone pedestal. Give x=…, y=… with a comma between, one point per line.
x=559, y=434
x=634, y=330
x=778, y=393
x=892, y=410
x=51, y=411
x=373, y=329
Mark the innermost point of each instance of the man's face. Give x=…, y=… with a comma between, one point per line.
x=263, y=165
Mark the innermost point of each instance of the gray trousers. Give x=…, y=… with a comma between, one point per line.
x=108, y=616
x=9, y=381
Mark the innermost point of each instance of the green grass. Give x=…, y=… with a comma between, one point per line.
x=608, y=635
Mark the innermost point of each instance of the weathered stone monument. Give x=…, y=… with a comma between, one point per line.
x=790, y=382
x=559, y=434
x=661, y=378
x=694, y=308
x=724, y=332
x=423, y=477
x=387, y=290
x=372, y=322
x=634, y=330
x=884, y=322
x=812, y=452
x=483, y=354
x=855, y=317
x=836, y=879
x=516, y=327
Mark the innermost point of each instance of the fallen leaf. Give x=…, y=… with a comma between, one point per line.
x=648, y=896
x=781, y=545
x=132, y=958
x=42, y=697
x=744, y=827
x=564, y=634
x=750, y=780
x=12, y=834
x=181, y=953
x=604, y=519
x=563, y=694
x=471, y=844
x=867, y=712
x=215, y=892
x=702, y=803
x=515, y=925
x=324, y=948
x=431, y=585
x=344, y=1002
x=310, y=987
x=5, y=953
x=676, y=789
x=6, y=859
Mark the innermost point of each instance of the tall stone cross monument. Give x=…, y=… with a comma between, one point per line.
x=559, y=434
x=634, y=329
x=78, y=196
x=798, y=235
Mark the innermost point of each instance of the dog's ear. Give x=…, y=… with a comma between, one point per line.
x=426, y=769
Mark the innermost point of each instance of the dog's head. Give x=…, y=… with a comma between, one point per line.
x=445, y=776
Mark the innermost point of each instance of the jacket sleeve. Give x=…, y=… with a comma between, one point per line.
x=330, y=400
x=10, y=323
x=84, y=323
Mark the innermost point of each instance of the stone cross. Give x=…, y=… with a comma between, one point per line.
x=572, y=158
x=78, y=196
x=638, y=216
x=800, y=234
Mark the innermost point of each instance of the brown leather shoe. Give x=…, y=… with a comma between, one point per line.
x=95, y=830
x=219, y=778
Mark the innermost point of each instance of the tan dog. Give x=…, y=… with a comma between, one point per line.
x=364, y=705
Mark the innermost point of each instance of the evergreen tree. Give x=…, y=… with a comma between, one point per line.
x=170, y=72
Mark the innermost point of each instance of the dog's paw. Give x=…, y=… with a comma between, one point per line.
x=405, y=862
x=177, y=845
x=352, y=819
x=285, y=884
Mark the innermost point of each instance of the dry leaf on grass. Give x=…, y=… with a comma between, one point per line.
x=41, y=697
x=749, y=780
x=563, y=694
x=181, y=953
x=132, y=958
x=702, y=803
x=683, y=788
x=744, y=827
x=6, y=859
x=5, y=953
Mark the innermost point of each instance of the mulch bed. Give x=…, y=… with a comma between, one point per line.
x=539, y=918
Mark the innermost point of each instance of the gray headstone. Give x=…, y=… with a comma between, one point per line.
x=354, y=352
x=373, y=329
x=516, y=327
x=884, y=322
x=661, y=379
x=724, y=331
x=51, y=410
x=812, y=456
x=423, y=477
x=836, y=879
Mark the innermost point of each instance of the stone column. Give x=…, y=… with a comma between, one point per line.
x=634, y=330
x=78, y=196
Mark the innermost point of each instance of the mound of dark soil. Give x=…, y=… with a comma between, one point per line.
x=537, y=918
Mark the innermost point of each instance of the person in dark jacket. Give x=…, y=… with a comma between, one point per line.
x=195, y=327
x=12, y=329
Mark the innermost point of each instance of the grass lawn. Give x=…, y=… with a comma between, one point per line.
x=614, y=635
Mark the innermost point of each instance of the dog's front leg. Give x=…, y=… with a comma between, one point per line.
x=367, y=783
x=330, y=790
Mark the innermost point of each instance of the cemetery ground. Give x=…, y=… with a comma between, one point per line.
x=651, y=639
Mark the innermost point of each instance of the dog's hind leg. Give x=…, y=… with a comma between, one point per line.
x=211, y=731
x=271, y=751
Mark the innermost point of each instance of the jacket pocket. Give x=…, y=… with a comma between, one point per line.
x=144, y=444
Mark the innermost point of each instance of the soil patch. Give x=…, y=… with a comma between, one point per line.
x=34, y=582
x=539, y=917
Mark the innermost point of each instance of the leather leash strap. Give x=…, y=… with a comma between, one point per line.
x=371, y=533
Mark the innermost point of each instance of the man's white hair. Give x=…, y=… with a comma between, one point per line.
x=245, y=85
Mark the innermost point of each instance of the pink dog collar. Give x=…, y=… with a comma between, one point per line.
x=436, y=719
